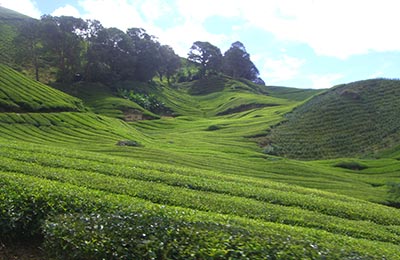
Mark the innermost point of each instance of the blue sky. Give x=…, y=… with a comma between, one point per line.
x=295, y=43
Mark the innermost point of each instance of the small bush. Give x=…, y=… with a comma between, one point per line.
x=128, y=143
x=355, y=166
x=213, y=127
x=270, y=149
x=394, y=194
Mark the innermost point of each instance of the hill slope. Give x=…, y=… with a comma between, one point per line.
x=354, y=119
x=21, y=94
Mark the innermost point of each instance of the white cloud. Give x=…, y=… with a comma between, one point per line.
x=121, y=14
x=125, y=14
x=27, y=7
x=182, y=37
x=67, y=10
x=324, y=81
x=282, y=69
x=154, y=9
x=339, y=28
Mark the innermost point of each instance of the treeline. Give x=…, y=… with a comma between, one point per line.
x=85, y=50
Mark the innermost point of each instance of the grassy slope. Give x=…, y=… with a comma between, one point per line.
x=360, y=118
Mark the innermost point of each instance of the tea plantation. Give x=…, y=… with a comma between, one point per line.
x=355, y=119
x=194, y=186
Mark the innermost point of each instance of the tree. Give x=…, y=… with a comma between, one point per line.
x=63, y=37
x=29, y=45
x=207, y=55
x=170, y=62
x=111, y=56
x=237, y=63
x=147, y=53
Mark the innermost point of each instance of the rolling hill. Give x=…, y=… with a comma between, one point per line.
x=185, y=178
x=356, y=119
x=80, y=180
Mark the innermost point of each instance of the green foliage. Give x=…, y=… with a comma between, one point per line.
x=237, y=63
x=207, y=55
x=213, y=127
x=170, y=62
x=394, y=193
x=128, y=143
x=21, y=94
x=147, y=101
x=103, y=100
x=349, y=120
x=10, y=21
x=351, y=165
x=122, y=219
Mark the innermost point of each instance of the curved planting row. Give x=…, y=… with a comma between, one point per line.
x=123, y=227
x=21, y=94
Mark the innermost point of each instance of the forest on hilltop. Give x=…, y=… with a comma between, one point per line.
x=76, y=49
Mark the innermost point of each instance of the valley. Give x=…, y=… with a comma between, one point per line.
x=218, y=167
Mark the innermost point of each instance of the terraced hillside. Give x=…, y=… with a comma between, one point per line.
x=89, y=205
x=21, y=94
x=355, y=119
x=85, y=175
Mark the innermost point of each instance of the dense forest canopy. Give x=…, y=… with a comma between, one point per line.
x=85, y=50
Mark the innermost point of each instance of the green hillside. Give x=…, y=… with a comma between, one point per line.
x=117, y=162
x=355, y=119
x=21, y=94
x=188, y=183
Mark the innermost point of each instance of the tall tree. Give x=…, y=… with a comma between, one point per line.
x=170, y=62
x=237, y=63
x=207, y=55
x=147, y=52
x=29, y=45
x=111, y=56
x=64, y=40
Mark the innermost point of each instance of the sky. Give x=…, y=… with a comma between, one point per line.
x=294, y=43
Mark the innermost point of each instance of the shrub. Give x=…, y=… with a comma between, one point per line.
x=128, y=143
x=147, y=101
x=394, y=194
x=151, y=235
x=355, y=166
x=213, y=127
